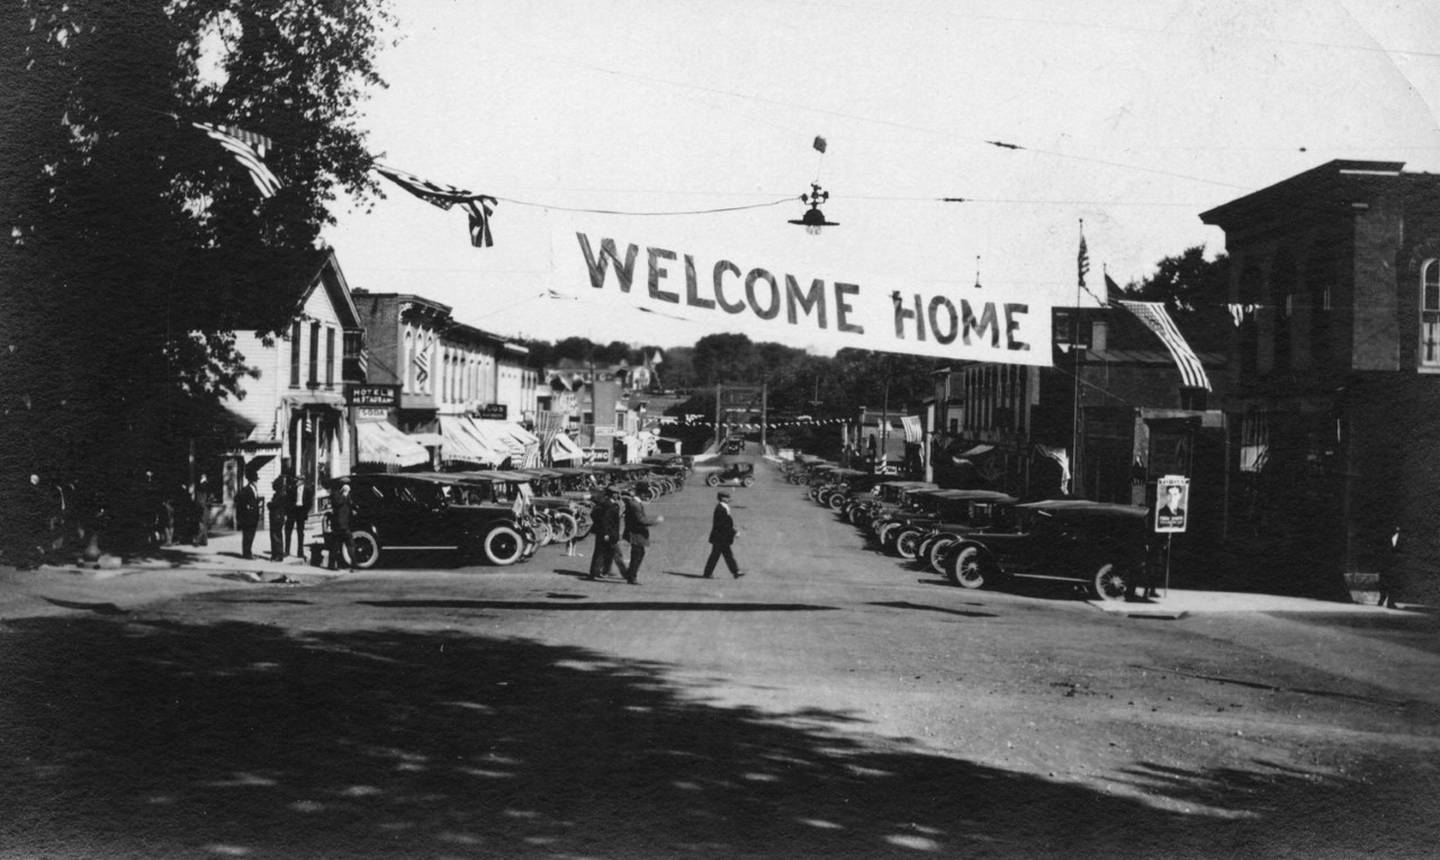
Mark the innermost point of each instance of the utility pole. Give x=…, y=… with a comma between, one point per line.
x=717, y=415
x=764, y=415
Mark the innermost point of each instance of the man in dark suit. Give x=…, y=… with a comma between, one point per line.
x=606, y=528
x=247, y=514
x=341, y=537
x=637, y=532
x=722, y=537
x=282, y=498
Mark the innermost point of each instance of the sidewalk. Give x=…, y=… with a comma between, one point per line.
x=1178, y=603
x=115, y=585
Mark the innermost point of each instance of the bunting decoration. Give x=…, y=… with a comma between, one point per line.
x=1157, y=319
x=1240, y=312
x=249, y=150
x=478, y=206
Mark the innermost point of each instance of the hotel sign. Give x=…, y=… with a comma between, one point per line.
x=373, y=396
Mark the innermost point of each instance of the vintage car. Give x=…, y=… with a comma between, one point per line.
x=393, y=513
x=944, y=515
x=568, y=518
x=732, y=475
x=1099, y=545
x=888, y=501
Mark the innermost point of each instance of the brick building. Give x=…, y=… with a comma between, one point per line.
x=1334, y=395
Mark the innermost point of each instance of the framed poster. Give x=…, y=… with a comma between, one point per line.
x=1172, y=500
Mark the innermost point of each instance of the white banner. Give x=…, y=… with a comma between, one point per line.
x=770, y=303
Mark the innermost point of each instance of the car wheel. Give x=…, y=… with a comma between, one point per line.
x=749, y=481
x=936, y=555
x=565, y=526
x=906, y=542
x=1110, y=582
x=836, y=502
x=967, y=568
x=503, y=545
x=367, y=550
x=712, y=480
x=543, y=533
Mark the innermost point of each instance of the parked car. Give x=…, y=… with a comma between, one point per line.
x=1099, y=545
x=434, y=512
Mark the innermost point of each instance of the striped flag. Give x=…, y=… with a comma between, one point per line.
x=1157, y=319
x=249, y=149
x=422, y=364
x=479, y=206
x=1083, y=259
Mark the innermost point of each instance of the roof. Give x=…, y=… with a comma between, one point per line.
x=1319, y=188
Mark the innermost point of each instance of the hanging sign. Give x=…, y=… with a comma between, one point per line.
x=769, y=302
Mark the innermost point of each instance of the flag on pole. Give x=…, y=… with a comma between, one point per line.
x=1157, y=319
x=478, y=206
x=1083, y=259
x=249, y=149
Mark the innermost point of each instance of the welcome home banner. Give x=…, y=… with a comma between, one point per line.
x=786, y=305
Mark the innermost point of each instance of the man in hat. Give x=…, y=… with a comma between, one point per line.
x=722, y=536
x=606, y=528
x=341, y=538
x=637, y=532
x=247, y=514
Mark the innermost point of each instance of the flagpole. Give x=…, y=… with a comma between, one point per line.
x=1075, y=349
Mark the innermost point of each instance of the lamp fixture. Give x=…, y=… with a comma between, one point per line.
x=814, y=220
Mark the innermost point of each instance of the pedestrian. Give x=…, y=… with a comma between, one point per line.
x=301, y=499
x=201, y=511
x=1390, y=571
x=282, y=499
x=637, y=532
x=606, y=528
x=247, y=514
x=722, y=537
x=341, y=540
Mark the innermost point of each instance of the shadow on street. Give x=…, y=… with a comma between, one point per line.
x=159, y=738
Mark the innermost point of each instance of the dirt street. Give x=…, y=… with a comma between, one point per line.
x=833, y=703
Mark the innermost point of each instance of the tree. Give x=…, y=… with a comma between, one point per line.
x=136, y=243
x=721, y=358
x=1195, y=290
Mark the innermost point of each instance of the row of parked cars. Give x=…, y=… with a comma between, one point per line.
x=498, y=517
x=982, y=538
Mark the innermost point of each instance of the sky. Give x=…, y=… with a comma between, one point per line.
x=1131, y=117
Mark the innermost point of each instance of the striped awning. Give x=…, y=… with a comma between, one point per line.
x=383, y=443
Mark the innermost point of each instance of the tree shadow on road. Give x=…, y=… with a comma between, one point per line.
x=151, y=738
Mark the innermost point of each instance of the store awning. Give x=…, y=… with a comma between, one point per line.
x=383, y=443
x=519, y=444
x=463, y=442
x=563, y=448
x=313, y=398
x=978, y=450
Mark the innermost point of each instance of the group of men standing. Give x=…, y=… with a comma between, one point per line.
x=622, y=516
x=288, y=507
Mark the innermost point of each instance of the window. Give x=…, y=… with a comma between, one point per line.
x=295, y=355
x=1430, y=314
x=314, y=378
x=1282, y=289
x=1249, y=328
x=329, y=357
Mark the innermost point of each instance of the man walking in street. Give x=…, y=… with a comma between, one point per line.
x=722, y=536
x=606, y=529
x=637, y=532
x=247, y=514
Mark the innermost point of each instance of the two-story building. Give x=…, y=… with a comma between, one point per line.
x=459, y=385
x=1335, y=372
x=295, y=405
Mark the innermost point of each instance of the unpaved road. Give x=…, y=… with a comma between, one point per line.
x=832, y=703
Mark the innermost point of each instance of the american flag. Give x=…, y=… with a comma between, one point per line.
x=1083, y=261
x=1157, y=319
x=422, y=364
x=479, y=206
x=249, y=149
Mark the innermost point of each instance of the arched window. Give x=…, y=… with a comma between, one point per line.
x=1430, y=313
x=1282, y=290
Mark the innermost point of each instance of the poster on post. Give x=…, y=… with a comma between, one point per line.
x=1172, y=499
